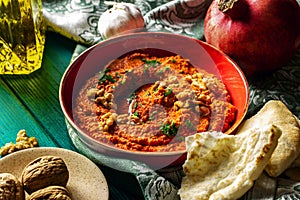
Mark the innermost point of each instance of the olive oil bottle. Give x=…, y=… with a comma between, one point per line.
x=22, y=36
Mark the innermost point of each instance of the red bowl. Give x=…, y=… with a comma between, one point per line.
x=198, y=52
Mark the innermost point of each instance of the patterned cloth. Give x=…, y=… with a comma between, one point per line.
x=77, y=20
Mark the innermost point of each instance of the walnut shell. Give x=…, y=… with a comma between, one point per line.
x=50, y=193
x=44, y=171
x=10, y=187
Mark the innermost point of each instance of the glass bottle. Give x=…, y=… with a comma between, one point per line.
x=22, y=36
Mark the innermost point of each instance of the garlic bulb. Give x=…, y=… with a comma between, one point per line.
x=120, y=18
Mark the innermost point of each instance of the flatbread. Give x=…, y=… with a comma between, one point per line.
x=275, y=112
x=296, y=162
x=221, y=166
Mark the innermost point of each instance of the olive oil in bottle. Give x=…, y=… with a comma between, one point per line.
x=22, y=36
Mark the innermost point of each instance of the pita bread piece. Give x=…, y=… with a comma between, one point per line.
x=293, y=172
x=275, y=112
x=221, y=166
x=296, y=162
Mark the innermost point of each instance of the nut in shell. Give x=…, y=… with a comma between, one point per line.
x=50, y=193
x=44, y=171
x=10, y=187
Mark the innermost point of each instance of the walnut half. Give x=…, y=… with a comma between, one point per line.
x=22, y=142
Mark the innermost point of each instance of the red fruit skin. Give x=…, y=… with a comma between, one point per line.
x=261, y=39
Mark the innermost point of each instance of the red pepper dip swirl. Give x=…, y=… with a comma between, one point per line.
x=147, y=103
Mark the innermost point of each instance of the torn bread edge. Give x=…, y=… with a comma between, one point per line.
x=296, y=162
x=288, y=149
x=214, y=183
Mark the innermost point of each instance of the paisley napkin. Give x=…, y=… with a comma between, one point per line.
x=77, y=20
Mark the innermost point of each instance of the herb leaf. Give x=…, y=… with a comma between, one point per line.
x=131, y=97
x=103, y=76
x=103, y=73
x=153, y=63
x=169, y=129
x=190, y=125
x=136, y=114
x=168, y=92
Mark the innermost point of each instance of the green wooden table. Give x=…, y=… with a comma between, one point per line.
x=31, y=102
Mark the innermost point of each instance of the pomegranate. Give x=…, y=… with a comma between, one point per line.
x=260, y=35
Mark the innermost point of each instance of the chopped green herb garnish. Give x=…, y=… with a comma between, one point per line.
x=150, y=63
x=167, y=67
x=146, y=67
x=118, y=75
x=103, y=76
x=123, y=81
x=103, y=73
x=131, y=97
x=135, y=105
x=169, y=129
x=189, y=124
x=153, y=63
x=159, y=72
x=136, y=114
x=110, y=78
x=168, y=92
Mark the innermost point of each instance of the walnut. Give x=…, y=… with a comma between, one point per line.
x=50, y=193
x=44, y=171
x=22, y=142
x=10, y=187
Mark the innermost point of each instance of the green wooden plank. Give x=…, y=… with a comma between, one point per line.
x=59, y=51
x=14, y=117
x=39, y=90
